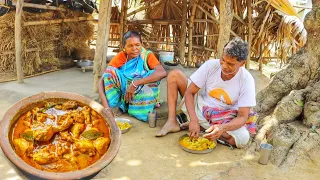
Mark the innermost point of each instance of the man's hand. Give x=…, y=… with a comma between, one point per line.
x=194, y=130
x=130, y=93
x=214, y=132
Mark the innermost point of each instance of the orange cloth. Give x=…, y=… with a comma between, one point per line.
x=120, y=59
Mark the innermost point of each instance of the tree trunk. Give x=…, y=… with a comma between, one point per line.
x=290, y=105
x=225, y=21
x=17, y=34
x=100, y=56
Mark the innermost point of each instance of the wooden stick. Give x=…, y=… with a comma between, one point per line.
x=25, y=51
x=39, y=6
x=102, y=41
x=125, y=16
x=17, y=34
x=239, y=19
x=33, y=75
x=214, y=19
x=204, y=48
x=143, y=8
x=208, y=14
x=160, y=37
x=159, y=42
x=191, y=23
x=57, y=21
x=121, y=23
x=183, y=32
x=206, y=35
x=249, y=2
x=205, y=21
x=150, y=21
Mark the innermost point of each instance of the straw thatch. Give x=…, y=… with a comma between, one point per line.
x=37, y=43
x=276, y=30
x=42, y=45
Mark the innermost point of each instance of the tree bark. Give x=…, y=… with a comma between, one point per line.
x=18, y=32
x=249, y=2
x=225, y=21
x=100, y=56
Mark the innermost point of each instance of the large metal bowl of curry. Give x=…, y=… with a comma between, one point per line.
x=12, y=116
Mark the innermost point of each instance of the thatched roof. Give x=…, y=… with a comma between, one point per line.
x=277, y=30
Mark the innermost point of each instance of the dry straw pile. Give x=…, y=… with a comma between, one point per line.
x=42, y=45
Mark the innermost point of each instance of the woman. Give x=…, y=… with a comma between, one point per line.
x=131, y=79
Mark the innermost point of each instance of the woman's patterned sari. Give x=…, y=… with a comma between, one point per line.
x=116, y=82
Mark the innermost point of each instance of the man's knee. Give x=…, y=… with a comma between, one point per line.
x=175, y=74
x=240, y=136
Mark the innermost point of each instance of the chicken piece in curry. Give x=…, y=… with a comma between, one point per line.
x=55, y=142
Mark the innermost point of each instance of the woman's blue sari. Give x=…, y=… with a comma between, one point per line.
x=117, y=80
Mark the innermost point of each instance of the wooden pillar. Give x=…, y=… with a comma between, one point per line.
x=225, y=22
x=249, y=3
x=193, y=11
x=183, y=32
x=100, y=56
x=121, y=23
x=17, y=35
x=125, y=16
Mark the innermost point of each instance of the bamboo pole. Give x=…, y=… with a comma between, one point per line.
x=183, y=32
x=57, y=21
x=39, y=6
x=203, y=48
x=205, y=21
x=239, y=18
x=208, y=14
x=150, y=21
x=214, y=19
x=249, y=2
x=206, y=35
x=121, y=23
x=25, y=51
x=225, y=21
x=161, y=42
x=191, y=23
x=102, y=41
x=17, y=34
x=144, y=8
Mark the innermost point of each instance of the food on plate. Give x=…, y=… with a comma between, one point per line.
x=199, y=144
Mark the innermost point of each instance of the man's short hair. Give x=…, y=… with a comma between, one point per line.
x=237, y=48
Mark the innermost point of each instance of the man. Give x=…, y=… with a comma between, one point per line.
x=223, y=106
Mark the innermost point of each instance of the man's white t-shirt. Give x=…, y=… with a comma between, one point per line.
x=217, y=93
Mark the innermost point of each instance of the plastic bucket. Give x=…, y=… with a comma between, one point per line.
x=166, y=56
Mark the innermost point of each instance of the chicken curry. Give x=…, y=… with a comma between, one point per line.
x=60, y=137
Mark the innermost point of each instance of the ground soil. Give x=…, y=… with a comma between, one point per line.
x=143, y=156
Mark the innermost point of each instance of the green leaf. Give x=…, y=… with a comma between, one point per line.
x=299, y=102
x=91, y=134
x=27, y=135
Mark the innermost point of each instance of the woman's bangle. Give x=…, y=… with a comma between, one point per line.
x=133, y=84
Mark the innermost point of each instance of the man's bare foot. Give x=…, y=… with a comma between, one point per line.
x=168, y=128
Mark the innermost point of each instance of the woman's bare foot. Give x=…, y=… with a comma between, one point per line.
x=168, y=128
x=184, y=126
x=117, y=111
